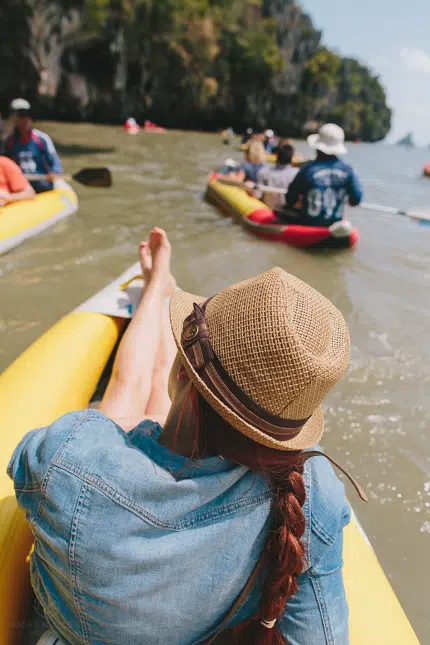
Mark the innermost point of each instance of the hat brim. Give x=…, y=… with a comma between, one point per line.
x=315, y=142
x=181, y=306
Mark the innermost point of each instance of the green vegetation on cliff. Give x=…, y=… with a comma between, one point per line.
x=185, y=63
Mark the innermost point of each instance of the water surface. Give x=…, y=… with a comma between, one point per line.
x=377, y=420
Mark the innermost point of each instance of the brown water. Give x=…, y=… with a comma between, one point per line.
x=377, y=420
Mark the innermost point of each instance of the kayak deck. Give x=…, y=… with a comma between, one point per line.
x=27, y=218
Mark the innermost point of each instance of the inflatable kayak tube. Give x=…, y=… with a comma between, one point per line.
x=28, y=218
x=58, y=373
x=257, y=217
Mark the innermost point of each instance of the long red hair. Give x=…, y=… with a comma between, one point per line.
x=283, y=553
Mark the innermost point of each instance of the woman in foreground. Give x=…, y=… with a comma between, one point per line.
x=200, y=520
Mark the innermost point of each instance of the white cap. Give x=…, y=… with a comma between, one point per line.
x=230, y=162
x=269, y=133
x=20, y=104
x=330, y=140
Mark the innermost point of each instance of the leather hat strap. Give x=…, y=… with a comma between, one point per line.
x=199, y=351
x=317, y=453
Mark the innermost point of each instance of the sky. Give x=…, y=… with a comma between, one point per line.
x=392, y=37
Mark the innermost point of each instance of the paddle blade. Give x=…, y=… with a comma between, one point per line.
x=94, y=177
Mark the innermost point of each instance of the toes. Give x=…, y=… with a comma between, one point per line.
x=145, y=257
x=158, y=237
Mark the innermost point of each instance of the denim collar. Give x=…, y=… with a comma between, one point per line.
x=145, y=437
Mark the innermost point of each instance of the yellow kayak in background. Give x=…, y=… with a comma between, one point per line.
x=29, y=217
x=298, y=160
x=58, y=373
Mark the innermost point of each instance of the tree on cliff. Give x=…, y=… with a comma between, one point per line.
x=185, y=63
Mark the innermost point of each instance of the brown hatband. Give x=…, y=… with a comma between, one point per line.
x=199, y=351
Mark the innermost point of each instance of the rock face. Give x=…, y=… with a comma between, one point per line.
x=185, y=63
x=407, y=140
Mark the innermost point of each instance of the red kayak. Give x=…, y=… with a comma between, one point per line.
x=340, y=235
x=131, y=126
x=263, y=222
x=148, y=126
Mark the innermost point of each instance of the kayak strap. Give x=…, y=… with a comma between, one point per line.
x=126, y=284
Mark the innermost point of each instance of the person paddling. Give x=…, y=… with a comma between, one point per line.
x=194, y=502
x=32, y=149
x=317, y=195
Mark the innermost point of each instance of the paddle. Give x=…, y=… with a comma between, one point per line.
x=91, y=177
x=423, y=217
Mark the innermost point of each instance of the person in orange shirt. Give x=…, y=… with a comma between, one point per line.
x=13, y=184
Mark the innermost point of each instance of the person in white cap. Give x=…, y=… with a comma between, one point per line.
x=32, y=149
x=318, y=193
x=247, y=136
x=269, y=140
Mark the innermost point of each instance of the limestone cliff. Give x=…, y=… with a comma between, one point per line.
x=185, y=63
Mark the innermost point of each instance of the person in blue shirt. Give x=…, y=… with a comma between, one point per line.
x=269, y=141
x=317, y=195
x=32, y=149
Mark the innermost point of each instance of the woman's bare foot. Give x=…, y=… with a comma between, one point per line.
x=155, y=256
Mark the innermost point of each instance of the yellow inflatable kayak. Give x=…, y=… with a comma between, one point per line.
x=59, y=373
x=27, y=218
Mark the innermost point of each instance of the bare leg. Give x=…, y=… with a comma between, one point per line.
x=128, y=393
x=159, y=400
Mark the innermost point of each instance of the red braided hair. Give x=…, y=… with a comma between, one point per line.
x=283, y=553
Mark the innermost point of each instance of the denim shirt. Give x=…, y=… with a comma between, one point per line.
x=136, y=544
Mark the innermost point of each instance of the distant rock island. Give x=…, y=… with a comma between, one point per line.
x=408, y=140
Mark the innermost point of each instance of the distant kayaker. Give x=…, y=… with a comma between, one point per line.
x=269, y=141
x=255, y=158
x=32, y=149
x=278, y=175
x=195, y=501
x=247, y=136
x=318, y=193
x=131, y=126
x=13, y=185
x=227, y=135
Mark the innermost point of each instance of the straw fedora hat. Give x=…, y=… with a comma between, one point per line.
x=264, y=353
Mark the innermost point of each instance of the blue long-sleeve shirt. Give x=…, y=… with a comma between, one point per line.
x=322, y=187
x=34, y=155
